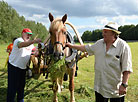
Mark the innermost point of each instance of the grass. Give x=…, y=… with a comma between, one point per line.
x=41, y=91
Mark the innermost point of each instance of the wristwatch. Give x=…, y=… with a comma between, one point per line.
x=124, y=85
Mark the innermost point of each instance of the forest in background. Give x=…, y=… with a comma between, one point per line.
x=11, y=25
x=128, y=32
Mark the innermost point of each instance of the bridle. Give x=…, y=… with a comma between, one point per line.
x=48, y=53
x=58, y=42
x=59, y=55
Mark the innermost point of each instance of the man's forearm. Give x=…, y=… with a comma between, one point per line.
x=125, y=77
x=78, y=47
x=25, y=44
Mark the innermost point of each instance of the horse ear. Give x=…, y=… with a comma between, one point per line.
x=51, y=18
x=64, y=18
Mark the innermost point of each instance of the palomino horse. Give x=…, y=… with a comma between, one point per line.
x=57, y=59
x=58, y=39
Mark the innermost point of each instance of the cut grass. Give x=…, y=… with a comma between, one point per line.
x=41, y=90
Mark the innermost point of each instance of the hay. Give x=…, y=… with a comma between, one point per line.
x=57, y=68
x=85, y=91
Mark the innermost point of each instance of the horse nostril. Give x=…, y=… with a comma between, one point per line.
x=58, y=56
x=54, y=54
x=62, y=54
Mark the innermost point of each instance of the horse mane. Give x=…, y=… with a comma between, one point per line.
x=57, y=24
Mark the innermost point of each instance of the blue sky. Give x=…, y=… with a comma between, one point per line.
x=84, y=14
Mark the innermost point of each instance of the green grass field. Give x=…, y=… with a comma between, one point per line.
x=40, y=90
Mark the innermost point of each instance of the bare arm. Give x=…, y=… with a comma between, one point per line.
x=78, y=47
x=125, y=77
x=27, y=43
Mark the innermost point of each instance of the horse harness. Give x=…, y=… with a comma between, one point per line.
x=48, y=51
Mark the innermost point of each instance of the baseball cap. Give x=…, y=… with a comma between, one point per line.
x=27, y=30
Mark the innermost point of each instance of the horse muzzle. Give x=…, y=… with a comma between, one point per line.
x=58, y=53
x=58, y=56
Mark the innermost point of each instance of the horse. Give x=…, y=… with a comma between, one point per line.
x=56, y=58
x=58, y=40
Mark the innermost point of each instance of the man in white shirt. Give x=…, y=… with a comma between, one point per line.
x=18, y=60
x=113, y=64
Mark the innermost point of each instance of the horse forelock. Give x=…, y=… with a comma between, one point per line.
x=57, y=24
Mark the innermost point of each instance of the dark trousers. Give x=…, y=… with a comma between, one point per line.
x=100, y=98
x=16, y=83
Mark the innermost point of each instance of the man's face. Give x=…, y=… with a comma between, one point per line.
x=108, y=35
x=26, y=36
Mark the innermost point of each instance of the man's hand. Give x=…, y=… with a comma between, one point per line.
x=122, y=90
x=69, y=45
x=37, y=40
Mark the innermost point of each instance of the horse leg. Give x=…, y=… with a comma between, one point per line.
x=60, y=81
x=71, y=84
x=34, y=61
x=55, y=89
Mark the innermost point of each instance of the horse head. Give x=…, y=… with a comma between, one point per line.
x=58, y=35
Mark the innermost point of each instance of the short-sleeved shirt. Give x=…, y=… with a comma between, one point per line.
x=10, y=46
x=109, y=66
x=19, y=57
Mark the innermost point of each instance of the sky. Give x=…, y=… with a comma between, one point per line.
x=83, y=14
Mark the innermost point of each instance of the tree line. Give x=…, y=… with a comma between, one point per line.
x=11, y=24
x=128, y=32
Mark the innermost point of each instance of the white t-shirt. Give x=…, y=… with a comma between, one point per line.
x=19, y=57
x=109, y=66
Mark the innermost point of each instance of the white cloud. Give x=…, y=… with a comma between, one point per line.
x=38, y=16
x=88, y=26
x=89, y=14
x=81, y=8
x=126, y=20
x=102, y=20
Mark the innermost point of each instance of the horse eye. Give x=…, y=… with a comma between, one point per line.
x=50, y=33
x=65, y=33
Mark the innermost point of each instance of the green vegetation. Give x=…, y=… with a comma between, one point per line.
x=41, y=90
x=56, y=68
x=11, y=24
x=129, y=32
